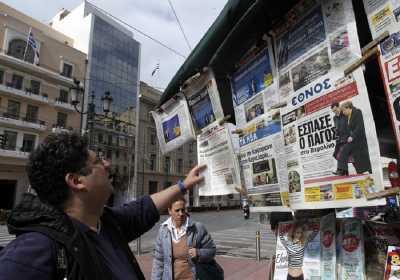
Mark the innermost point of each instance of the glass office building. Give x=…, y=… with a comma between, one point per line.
x=113, y=66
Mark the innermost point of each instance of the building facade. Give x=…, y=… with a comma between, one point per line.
x=156, y=171
x=112, y=66
x=34, y=93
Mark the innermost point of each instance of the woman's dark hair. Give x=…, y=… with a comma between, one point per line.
x=58, y=155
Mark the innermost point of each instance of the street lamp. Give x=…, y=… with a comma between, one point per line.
x=78, y=90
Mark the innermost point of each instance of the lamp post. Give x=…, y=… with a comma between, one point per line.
x=76, y=91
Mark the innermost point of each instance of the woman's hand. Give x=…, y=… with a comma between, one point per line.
x=193, y=253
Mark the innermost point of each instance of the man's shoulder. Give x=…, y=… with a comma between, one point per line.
x=29, y=251
x=27, y=243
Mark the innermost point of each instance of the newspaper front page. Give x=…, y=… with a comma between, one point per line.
x=389, y=62
x=215, y=149
x=383, y=15
x=329, y=146
x=254, y=86
x=263, y=164
x=173, y=125
x=203, y=99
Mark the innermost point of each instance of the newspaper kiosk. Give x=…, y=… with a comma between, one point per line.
x=311, y=92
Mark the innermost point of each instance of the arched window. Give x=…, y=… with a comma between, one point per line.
x=16, y=48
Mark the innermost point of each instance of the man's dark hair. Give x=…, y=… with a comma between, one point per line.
x=335, y=104
x=58, y=155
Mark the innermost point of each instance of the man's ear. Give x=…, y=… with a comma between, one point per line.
x=75, y=182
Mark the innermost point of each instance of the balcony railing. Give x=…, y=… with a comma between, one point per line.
x=17, y=153
x=64, y=104
x=27, y=93
x=22, y=121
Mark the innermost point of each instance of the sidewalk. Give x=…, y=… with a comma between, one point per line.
x=234, y=268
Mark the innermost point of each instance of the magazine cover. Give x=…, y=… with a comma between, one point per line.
x=298, y=246
x=392, y=269
x=254, y=86
x=203, y=100
x=328, y=144
x=173, y=125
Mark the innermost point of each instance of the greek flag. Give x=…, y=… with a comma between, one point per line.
x=32, y=42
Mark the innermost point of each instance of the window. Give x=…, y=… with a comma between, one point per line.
x=1, y=76
x=108, y=154
x=152, y=138
x=35, y=87
x=110, y=139
x=191, y=147
x=153, y=187
x=125, y=171
x=100, y=138
x=61, y=119
x=28, y=143
x=32, y=113
x=13, y=109
x=167, y=165
x=63, y=96
x=153, y=162
x=179, y=165
x=66, y=70
x=17, y=81
x=11, y=140
x=117, y=154
x=18, y=49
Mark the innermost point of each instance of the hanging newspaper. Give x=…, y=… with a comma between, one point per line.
x=383, y=15
x=215, y=149
x=254, y=86
x=351, y=254
x=203, y=100
x=389, y=62
x=287, y=250
x=392, y=269
x=263, y=164
x=328, y=146
x=173, y=125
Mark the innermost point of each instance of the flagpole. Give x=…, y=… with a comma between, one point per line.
x=27, y=42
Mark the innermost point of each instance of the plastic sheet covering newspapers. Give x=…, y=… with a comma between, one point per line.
x=263, y=163
x=173, y=124
x=308, y=232
x=329, y=149
x=203, y=100
x=389, y=62
x=351, y=252
x=328, y=247
x=383, y=15
x=253, y=85
x=215, y=149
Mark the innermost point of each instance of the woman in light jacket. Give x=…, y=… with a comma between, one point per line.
x=175, y=252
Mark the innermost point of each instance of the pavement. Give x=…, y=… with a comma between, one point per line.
x=233, y=235
x=234, y=268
